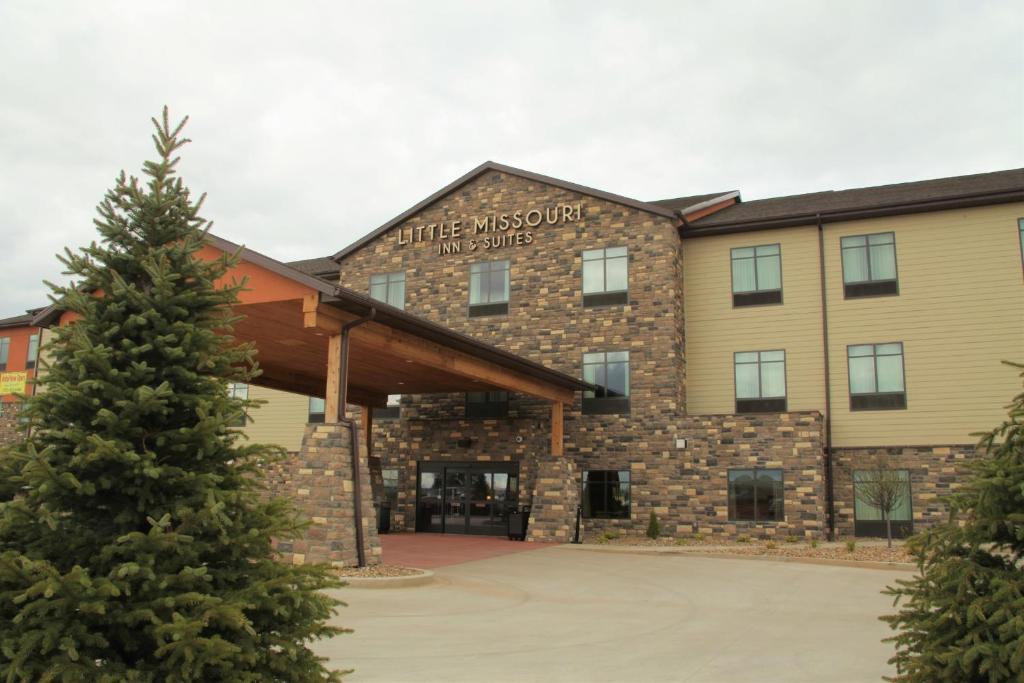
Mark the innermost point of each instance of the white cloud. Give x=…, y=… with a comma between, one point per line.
x=316, y=123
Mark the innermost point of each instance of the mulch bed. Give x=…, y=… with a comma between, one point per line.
x=378, y=571
x=870, y=551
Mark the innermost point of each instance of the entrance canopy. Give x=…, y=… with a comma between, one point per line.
x=298, y=323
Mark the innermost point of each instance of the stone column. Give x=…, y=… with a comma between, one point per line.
x=555, y=497
x=320, y=482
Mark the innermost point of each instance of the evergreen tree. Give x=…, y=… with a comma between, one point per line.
x=134, y=543
x=963, y=617
x=653, y=527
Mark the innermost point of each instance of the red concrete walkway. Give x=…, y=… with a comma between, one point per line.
x=426, y=551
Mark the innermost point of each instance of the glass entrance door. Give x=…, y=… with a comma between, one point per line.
x=466, y=498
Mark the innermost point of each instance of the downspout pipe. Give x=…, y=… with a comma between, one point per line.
x=830, y=497
x=357, y=489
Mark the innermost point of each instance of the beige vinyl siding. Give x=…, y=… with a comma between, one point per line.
x=715, y=330
x=280, y=421
x=959, y=312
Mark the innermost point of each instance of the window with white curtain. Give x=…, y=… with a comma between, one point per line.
x=488, y=288
x=757, y=275
x=760, y=381
x=239, y=390
x=389, y=288
x=869, y=265
x=876, y=376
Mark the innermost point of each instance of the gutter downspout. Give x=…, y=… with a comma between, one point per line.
x=357, y=491
x=830, y=498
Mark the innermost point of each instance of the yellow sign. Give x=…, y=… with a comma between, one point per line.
x=13, y=382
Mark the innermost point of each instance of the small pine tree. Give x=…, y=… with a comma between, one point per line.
x=653, y=527
x=962, y=618
x=134, y=545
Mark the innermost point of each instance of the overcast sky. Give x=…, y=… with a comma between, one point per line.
x=313, y=123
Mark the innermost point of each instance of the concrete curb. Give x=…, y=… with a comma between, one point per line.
x=663, y=550
x=390, y=581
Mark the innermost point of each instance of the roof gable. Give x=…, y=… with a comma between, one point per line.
x=486, y=167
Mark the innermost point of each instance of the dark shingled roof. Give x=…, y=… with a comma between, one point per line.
x=17, y=321
x=921, y=195
x=680, y=203
x=320, y=267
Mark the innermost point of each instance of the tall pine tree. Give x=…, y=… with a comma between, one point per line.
x=134, y=545
x=963, y=616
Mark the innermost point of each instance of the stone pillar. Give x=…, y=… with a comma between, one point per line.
x=320, y=482
x=556, y=494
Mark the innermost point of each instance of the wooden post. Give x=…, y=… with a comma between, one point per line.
x=557, y=429
x=332, y=411
x=366, y=417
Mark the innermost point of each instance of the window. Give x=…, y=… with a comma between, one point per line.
x=757, y=275
x=5, y=347
x=755, y=495
x=876, y=377
x=389, y=288
x=392, y=411
x=240, y=391
x=488, y=288
x=33, y=351
x=1020, y=229
x=869, y=265
x=390, y=479
x=760, y=381
x=317, y=408
x=610, y=372
x=868, y=518
x=486, y=404
x=606, y=494
x=605, y=276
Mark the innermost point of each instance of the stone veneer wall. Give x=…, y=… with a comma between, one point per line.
x=555, y=498
x=319, y=480
x=717, y=443
x=11, y=430
x=935, y=471
x=546, y=323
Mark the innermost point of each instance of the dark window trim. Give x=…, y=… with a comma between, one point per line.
x=728, y=494
x=483, y=410
x=491, y=307
x=615, y=297
x=761, y=405
x=387, y=413
x=7, y=355
x=1020, y=242
x=314, y=417
x=767, y=407
x=387, y=286
x=877, y=400
x=758, y=297
x=608, y=405
x=862, y=289
x=627, y=514
x=484, y=310
x=30, y=358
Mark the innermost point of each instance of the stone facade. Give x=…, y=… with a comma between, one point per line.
x=555, y=499
x=935, y=471
x=11, y=428
x=320, y=482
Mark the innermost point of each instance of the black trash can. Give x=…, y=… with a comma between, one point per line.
x=384, y=518
x=518, y=519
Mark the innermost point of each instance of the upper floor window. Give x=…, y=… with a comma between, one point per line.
x=488, y=288
x=876, y=376
x=605, y=276
x=610, y=372
x=755, y=495
x=757, y=275
x=869, y=265
x=240, y=391
x=317, y=409
x=389, y=288
x=760, y=381
x=486, y=403
x=605, y=494
x=5, y=348
x=33, y=351
x=391, y=411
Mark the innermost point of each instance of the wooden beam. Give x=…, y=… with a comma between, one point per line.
x=386, y=340
x=332, y=394
x=316, y=316
x=557, y=429
x=308, y=386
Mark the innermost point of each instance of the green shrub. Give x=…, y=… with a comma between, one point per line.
x=698, y=537
x=791, y=539
x=743, y=538
x=814, y=543
x=653, y=528
x=851, y=545
x=770, y=545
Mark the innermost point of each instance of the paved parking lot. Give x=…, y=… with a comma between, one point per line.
x=566, y=614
